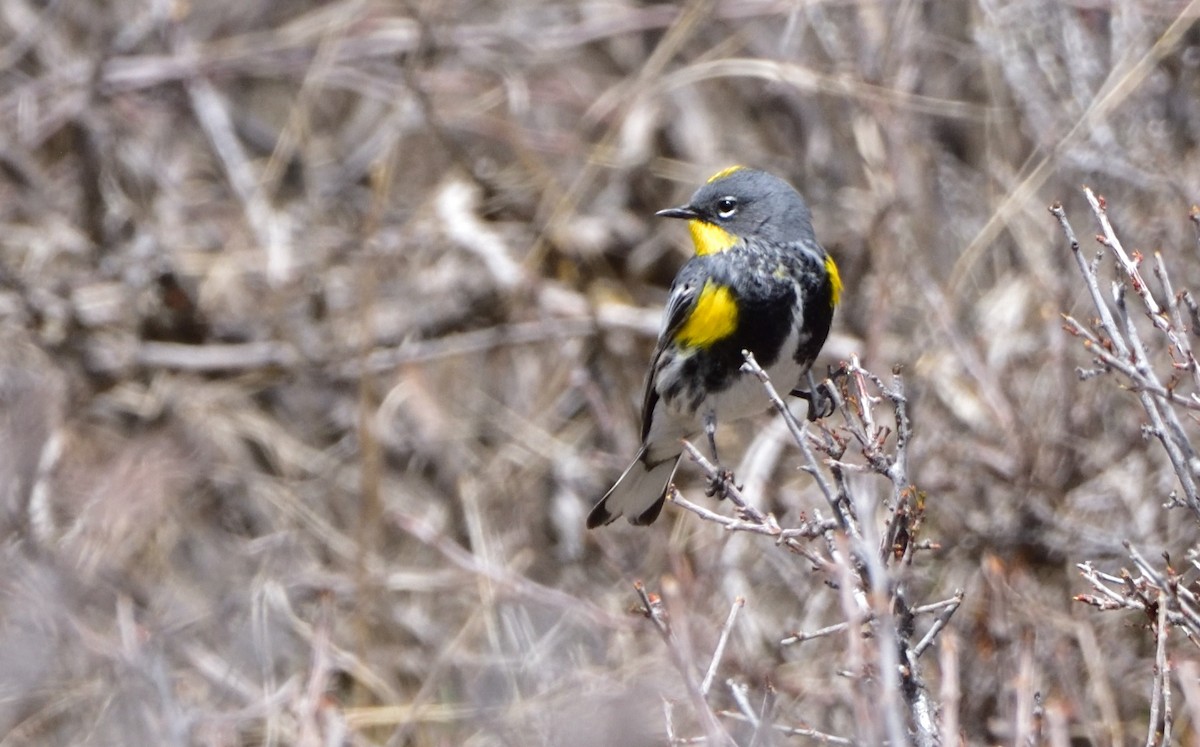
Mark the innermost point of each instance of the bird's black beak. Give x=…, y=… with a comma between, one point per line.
x=686, y=212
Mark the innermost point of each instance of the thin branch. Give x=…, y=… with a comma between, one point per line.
x=938, y=624
x=798, y=431
x=820, y=633
x=653, y=610
x=793, y=731
x=951, y=691
x=1124, y=350
x=1156, y=687
x=726, y=629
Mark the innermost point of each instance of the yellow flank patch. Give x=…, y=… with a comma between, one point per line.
x=710, y=238
x=714, y=318
x=835, y=280
x=724, y=173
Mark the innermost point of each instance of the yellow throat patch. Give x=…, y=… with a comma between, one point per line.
x=709, y=238
x=714, y=317
x=835, y=281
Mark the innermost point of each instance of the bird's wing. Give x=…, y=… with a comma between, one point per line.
x=679, y=306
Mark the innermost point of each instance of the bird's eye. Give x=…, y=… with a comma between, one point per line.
x=726, y=207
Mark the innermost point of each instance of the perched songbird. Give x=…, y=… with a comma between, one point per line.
x=759, y=282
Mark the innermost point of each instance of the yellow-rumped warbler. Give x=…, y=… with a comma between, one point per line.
x=759, y=282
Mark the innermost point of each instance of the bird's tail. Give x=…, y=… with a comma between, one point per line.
x=638, y=494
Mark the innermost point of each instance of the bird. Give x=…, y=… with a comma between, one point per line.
x=759, y=281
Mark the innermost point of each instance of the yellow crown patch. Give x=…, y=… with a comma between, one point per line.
x=724, y=173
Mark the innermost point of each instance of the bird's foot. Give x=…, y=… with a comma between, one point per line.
x=820, y=401
x=720, y=484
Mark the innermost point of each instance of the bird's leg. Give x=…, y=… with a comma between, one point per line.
x=710, y=430
x=724, y=477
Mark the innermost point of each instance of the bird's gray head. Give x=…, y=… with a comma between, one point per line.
x=739, y=202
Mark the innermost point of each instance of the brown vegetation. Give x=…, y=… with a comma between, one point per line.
x=323, y=324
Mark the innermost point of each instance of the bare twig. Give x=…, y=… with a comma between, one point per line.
x=1128, y=354
x=951, y=606
x=799, y=431
x=793, y=731
x=726, y=629
x=946, y=607
x=820, y=633
x=653, y=611
x=951, y=691
x=272, y=228
x=755, y=522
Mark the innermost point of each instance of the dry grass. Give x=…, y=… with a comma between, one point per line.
x=323, y=324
